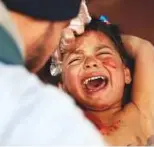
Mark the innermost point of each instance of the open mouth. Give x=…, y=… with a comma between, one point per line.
x=95, y=83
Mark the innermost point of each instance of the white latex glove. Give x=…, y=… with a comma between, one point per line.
x=68, y=38
x=76, y=27
x=77, y=24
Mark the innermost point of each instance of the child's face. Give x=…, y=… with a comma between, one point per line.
x=93, y=73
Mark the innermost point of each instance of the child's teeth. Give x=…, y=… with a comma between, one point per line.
x=93, y=78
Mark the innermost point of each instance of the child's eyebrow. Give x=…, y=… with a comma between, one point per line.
x=102, y=46
x=67, y=54
x=77, y=51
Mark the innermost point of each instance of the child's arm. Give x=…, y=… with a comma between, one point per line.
x=143, y=80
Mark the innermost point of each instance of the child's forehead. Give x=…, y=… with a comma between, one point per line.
x=88, y=39
x=91, y=37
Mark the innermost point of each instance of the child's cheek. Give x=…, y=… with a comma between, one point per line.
x=108, y=61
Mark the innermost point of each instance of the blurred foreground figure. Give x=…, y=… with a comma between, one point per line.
x=33, y=113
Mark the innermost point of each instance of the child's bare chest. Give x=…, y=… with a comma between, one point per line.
x=132, y=131
x=126, y=135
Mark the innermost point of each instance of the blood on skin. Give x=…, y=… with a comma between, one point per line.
x=103, y=128
x=109, y=62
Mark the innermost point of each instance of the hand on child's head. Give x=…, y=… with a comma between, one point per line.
x=76, y=26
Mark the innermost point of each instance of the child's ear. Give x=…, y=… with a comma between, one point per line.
x=128, y=77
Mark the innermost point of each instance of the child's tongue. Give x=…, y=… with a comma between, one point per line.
x=93, y=84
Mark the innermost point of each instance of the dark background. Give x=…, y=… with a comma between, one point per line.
x=135, y=17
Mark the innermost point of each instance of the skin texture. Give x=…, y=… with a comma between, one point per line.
x=131, y=125
x=40, y=38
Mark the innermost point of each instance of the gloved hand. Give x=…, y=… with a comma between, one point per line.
x=77, y=24
x=76, y=27
x=68, y=38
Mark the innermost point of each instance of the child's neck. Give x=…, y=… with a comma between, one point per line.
x=105, y=120
x=106, y=116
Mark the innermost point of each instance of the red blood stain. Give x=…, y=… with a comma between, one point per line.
x=104, y=129
x=108, y=61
